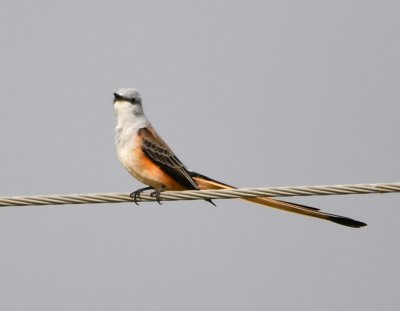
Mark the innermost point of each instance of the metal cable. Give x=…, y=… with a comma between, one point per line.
x=202, y=194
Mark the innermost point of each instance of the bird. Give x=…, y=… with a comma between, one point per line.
x=148, y=158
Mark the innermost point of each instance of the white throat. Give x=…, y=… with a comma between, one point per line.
x=130, y=116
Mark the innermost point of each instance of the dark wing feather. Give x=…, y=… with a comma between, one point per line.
x=159, y=152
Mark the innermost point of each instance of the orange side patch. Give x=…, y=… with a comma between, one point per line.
x=147, y=172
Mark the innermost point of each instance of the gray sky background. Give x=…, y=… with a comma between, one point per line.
x=254, y=93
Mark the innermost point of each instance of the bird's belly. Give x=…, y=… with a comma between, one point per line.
x=137, y=163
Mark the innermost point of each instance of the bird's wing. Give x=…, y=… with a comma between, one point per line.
x=159, y=152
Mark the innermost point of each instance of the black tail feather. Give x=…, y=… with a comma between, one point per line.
x=210, y=201
x=347, y=221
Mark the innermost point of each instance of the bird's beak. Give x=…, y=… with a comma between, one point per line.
x=117, y=96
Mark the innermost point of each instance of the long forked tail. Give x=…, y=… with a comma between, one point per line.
x=208, y=183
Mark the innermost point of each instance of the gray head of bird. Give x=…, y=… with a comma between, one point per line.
x=127, y=101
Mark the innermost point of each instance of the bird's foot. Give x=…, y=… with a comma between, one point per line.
x=156, y=194
x=135, y=195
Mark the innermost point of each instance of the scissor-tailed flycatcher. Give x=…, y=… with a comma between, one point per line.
x=148, y=158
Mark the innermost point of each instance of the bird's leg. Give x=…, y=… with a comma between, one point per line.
x=156, y=194
x=135, y=195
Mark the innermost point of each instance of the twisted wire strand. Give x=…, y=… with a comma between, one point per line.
x=201, y=194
